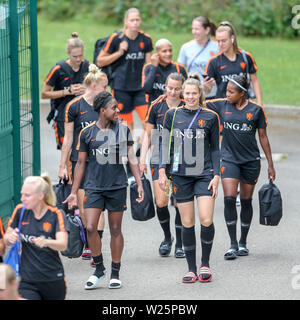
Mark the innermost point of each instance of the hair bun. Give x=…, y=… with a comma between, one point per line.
x=93, y=68
x=194, y=76
x=74, y=35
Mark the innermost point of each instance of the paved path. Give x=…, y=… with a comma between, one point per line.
x=267, y=273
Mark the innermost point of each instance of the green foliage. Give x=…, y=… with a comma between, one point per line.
x=250, y=17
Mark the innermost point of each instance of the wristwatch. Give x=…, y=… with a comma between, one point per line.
x=70, y=90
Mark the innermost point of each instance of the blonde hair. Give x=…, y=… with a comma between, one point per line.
x=94, y=75
x=131, y=10
x=162, y=42
x=194, y=80
x=228, y=27
x=74, y=42
x=43, y=185
x=8, y=272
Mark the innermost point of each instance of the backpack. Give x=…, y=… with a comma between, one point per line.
x=108, y=70
x=270, y=204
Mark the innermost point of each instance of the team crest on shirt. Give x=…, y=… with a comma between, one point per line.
x=212, y=53
x=47, y=226
x=142, y=45
x=201, y=122
x=249, y=116
x=243, y=65
x=174, y=189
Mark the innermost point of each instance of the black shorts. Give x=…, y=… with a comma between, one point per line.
x=186, y=188
x=73, y=165
x=49, y=290
x=112, y=200
x=59, y=129
x=129, y=100
x=247, y=172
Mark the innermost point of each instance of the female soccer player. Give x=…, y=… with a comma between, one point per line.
x=195, y=166
x=103, y=143
x=130, y=50
x=195, y=54
x=153, y=129
x=241, y=118
x=155, y=73
x=231, y=61
x=79, y=114
x=63, y=83
x=43, y=234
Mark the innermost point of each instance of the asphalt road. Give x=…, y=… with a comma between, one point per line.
x=271, y=271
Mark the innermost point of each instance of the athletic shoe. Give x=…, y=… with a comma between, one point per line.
x=231, y=254
x=86, y=254
x=179, y=253
x=165, y=248
x=242, y=251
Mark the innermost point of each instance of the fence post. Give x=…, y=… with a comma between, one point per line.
x=14, y=65
x=35, y=88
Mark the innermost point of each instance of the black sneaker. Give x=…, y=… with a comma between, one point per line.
x=165, y=248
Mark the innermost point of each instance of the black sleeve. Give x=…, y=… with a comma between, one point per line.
x=53, y=76
x=149, y=77
x=210, y=69
x=262, y=119
x=251, y=63
x=213, y=105
x=183, y=72
x=82, y=145
x=152, y=115
x=214, y=144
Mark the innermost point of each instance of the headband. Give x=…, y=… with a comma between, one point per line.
x=107, y=100
x=236, y=83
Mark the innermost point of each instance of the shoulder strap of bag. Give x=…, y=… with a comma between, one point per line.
x=21, y=217
x=198, y=54
x=171, y=132
x=65, y=67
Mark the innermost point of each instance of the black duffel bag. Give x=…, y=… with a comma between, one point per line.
x=144, y=210
x=76, y=239
x=62, y=190
x=270, y=204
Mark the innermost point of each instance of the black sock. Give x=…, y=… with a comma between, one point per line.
x=98, y=260
x=231, y=219
x=178, y=229
x=246, y=218
x=100, y=232
x=86, y=239
x=163, y=215
x=189, y=244
x=207, y=237
x=115, y=268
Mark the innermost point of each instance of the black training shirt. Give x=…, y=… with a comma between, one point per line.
x=105, y=149
x=128, y=73
x=222, y=69
x=39, y=264
x=199, y=152
x=239, y=144
x=82, y=114
x=154, y=78
x=61, y=79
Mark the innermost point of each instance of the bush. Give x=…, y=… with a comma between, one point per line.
x=256, y=17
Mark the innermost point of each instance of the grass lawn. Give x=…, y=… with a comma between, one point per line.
x=277, y=59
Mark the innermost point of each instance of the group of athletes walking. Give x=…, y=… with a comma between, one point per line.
x=188, y=109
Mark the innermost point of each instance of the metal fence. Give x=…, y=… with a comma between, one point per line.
x=19, y=100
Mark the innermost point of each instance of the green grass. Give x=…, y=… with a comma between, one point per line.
x=277, y=59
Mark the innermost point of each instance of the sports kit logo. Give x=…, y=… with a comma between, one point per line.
x=201, y=122
x=47, y=226
x=243, y=65
x=222, y=169
x=174, y=189
x=249, y=116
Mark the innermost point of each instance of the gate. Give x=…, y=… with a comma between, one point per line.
x=19, y=99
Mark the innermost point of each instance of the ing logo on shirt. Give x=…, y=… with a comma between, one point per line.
x=47, y=226
x=249, y=116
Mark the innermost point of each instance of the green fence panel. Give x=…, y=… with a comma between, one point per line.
x=19, y=100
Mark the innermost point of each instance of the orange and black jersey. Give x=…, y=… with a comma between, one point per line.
x=154, y=78
x=197, y=148
x=105, y=149
x=61, y=78
x=239, y=144
x=222, y=69
x=82, y=114
x=39, y=264
x=128, y=72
